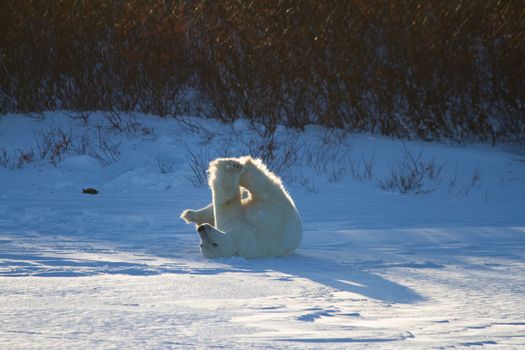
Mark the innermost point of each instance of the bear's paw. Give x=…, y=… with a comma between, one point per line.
x=229, y=164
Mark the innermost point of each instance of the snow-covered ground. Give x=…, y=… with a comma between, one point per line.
x=441, y=268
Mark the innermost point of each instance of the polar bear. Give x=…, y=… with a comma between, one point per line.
x=251, y=213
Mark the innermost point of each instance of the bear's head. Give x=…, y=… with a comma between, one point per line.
x=216, y=244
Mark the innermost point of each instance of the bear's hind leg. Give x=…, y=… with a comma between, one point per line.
x=224, y=174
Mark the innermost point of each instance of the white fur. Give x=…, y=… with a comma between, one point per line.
x=251, y=213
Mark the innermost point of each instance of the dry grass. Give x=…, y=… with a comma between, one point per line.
x=412, y=69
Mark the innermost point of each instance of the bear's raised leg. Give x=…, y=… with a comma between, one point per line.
x=199, y=216
x=224, y=175
x=257, y=179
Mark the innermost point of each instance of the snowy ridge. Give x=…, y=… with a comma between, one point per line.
x=376, y=269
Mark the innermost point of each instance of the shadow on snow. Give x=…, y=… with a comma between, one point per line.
x=342, y=277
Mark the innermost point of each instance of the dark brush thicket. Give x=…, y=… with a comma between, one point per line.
x=428, y=69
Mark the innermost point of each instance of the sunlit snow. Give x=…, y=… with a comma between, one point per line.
x=443, y=268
